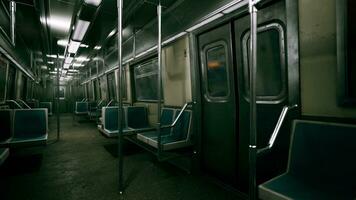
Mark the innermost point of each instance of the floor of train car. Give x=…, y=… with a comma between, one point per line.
x=83, y=165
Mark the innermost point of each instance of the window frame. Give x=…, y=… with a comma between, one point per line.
x=276, y=99
x=2, y=101
x=204, y=57
x=343, y=97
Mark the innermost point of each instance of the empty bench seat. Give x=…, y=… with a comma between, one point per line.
x=47, y=105
x=81, y=108
x=322, y=164
x=171, y=138
x=26, y=128
x=134, y=118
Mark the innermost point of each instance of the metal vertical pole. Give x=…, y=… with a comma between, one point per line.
x=57, y=106
x=13, y=22
x=253, y=109
x=119, y=93
x=159, y=92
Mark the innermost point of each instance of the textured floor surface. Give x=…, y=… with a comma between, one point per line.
x=82, y=165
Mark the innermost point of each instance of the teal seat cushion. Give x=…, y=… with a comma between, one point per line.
x=5, y=125
x=111, y=118
x=322, y=163
x=81, y=107
x=290, y=187
x=30, y=123
x=47, y=105
x=137, y=117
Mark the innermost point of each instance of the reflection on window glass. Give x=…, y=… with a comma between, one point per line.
x=269, y=79
x=146, y=81
x=217, y=80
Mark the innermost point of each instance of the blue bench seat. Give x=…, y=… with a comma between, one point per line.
x=4, y=154
x=321, y=164
x=81, y=108
x=134, y=119
x=171, y=138
x=28, y=128
x=47, y=105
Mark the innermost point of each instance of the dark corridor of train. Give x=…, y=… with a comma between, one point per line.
x=177, y=99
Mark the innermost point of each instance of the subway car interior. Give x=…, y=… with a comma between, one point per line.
x=177, y=99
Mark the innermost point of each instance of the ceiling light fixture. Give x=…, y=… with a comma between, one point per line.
x=66, y=66
x=68, y=60
x=73, y=46
x=63, y=43
x=80, y=30
x=97, y=47
x=93, y=2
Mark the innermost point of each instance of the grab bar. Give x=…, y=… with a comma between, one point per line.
x=178, y=117
x=276, y=130
x=24, y=103
x=17, y=104
x=109, y=103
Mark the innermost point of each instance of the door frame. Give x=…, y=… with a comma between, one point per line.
x=292, y=59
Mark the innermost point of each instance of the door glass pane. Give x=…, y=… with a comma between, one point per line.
x=270, y=69
x=216, y=71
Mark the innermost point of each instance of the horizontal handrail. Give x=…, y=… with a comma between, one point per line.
x=277, y=128
x=24, y=103
x=17, y=104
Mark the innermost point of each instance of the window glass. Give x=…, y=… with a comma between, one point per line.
x=146, y=81
x=216, y=71
x=11, y=83
x=351, y=40
x=270, y=69
x=111, y=85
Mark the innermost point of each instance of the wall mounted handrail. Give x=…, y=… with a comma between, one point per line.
x=17, y=104
x=24, y=103
x=107, y=105
x=178, y=117
x=277, y=128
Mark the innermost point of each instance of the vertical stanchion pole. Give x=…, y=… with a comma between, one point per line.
x=119, y=93
x=253, y=110
x=57, y=100
x=159, y=83
x=13, y=22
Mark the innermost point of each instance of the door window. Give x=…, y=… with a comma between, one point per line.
x=270, y=78
x=215, y=71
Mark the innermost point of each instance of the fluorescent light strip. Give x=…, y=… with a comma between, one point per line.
x=68, y=60
x=80, y=30
x=93, y=2
x=97, y=47
x=73, y=46
x=66, y=66
x=206, y=21
x=237, y=5
x=62, y=43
